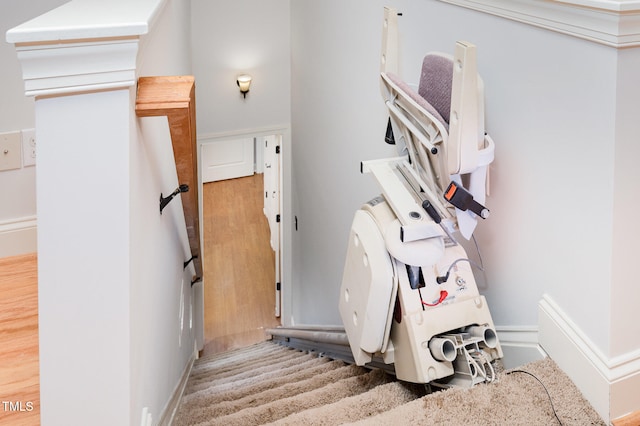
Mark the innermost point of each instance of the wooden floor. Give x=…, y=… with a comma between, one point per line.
x=239, y=265
x=632, y=419
x=19, y=372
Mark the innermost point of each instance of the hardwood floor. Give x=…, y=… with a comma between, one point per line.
x=19, y=369
x=632, y=419
x=239, y=265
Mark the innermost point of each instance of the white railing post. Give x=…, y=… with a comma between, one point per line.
x=95, y=286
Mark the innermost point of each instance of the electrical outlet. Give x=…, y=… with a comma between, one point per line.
x=29, y=147
x=10, y=151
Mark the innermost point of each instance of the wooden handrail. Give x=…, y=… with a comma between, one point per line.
x=174, y=97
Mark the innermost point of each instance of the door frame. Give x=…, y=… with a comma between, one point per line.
x=286, y=210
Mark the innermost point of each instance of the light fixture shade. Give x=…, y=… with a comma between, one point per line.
x=244, y=82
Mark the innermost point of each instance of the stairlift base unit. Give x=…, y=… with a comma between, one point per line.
x=384, y=315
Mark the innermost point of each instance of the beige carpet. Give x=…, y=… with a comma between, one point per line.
x=271, y=384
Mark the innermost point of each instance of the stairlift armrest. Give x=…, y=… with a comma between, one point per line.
x=368, y=165
x=466, y=125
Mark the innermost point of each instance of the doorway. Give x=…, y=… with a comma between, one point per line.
x=240, y=244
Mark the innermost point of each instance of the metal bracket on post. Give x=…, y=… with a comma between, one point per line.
x=185, y=264
x=165, y=200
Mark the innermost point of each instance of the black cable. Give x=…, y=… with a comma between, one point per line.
x=475, y=242
x=445, y=277
x=421, y=301
x=545, y=389
x=481, y=261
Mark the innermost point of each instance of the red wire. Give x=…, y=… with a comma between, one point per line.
x=443, y=295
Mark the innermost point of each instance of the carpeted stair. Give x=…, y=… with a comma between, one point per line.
x=272, y=384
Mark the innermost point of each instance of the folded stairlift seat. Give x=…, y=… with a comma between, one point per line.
x=442, y=126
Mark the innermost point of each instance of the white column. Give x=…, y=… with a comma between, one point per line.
x=80, y=64
x=83, y=257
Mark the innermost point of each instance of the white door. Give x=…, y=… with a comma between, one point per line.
x=226, y=159
x=271, y=157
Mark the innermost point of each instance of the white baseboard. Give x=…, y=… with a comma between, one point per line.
x=169, y=412
x=609, y=384
x=18, y=236
x=253, y=132
x=519, y=345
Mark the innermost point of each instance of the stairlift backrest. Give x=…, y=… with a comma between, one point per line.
x=405, y=89
x=435, y=83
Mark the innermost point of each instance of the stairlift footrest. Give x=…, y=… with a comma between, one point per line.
x=414, y=361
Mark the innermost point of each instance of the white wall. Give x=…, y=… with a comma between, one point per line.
x=18, y=205
x=241, y=37
x=337, y=121
x=162, y=307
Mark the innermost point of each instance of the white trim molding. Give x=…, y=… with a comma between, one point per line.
x=609, y=384
x=18, y=236
x=519, y=345
x=614, y=23
x=250, y=132
x=83, y=46
x=78, y=67
x=169, y=412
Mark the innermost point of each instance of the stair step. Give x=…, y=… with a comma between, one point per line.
x=270, y=383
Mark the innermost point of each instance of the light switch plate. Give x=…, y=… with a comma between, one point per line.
x=10, y=151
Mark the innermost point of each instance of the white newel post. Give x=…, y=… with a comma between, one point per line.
x=83, y=256
x=81, y=69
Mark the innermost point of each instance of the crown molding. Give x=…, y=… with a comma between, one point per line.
x=78, y=67
x=614, y=23
x=84, y=45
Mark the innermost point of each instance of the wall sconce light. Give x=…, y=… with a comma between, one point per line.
x=244, y=81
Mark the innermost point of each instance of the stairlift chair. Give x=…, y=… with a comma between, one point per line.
x=408, y=292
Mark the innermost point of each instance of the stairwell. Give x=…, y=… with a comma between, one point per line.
x=271, y=383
